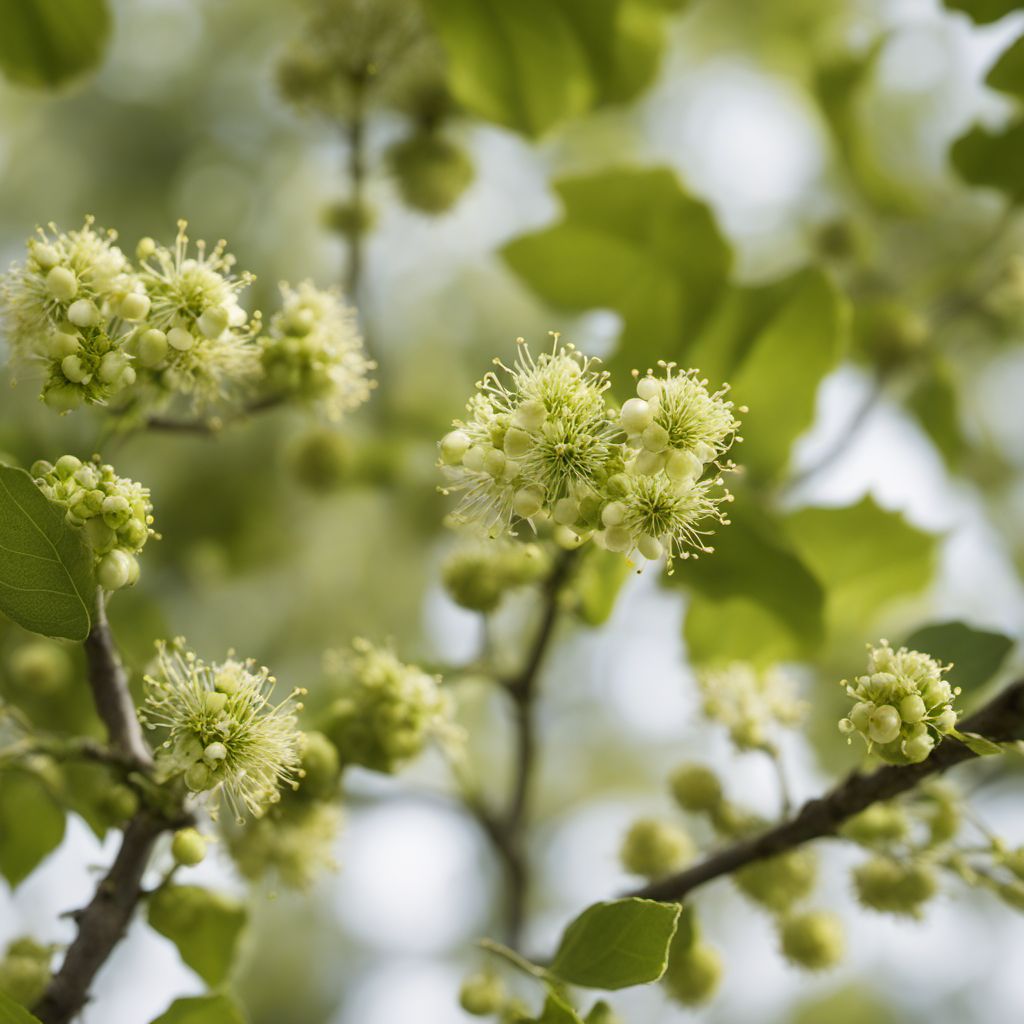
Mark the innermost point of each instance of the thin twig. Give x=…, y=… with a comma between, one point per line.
x=1002, y=720
x=212, y=425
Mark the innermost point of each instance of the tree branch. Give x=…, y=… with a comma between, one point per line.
x=109, y=685
x=1001, y=719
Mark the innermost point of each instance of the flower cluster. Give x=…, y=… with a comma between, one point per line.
x=197, y=339
x=478, y=574
x=541, y=441
x=115, y=512
x=223, y=735
x=170, y=323
x=71, y=306
x=654, y=848
x=749, y=702
x=25, y=970
x=386, y=710
x=313, y=351
x=904, y=705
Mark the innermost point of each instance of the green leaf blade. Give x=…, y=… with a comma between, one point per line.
x=31, y=825
x=14, y=1013
x=616, y=945
x=202, y=1010
x=46, y=578
x=976, y=654
x=204, y=925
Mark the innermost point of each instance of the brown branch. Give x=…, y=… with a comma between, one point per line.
x=109, y=685
x=1001, y=719
x=214, y=424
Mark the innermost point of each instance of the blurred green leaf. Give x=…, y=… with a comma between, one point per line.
x=44, y=43
x=984, y=11
x=615, y=945
x=1007, y=74
x=204, y=925
x=46, y=582
x=602, y=1013
x=992, y=158
x=202, y=1010
x=531, y=65
x=558, y=1011
x=935, y=402
x=865, y=557
x=755, y=598
x=597, y=583
x=14, y=1013
x=978, y=744
x=780, y=375
x=31, y=824
x=635, y=242
x=976, y=654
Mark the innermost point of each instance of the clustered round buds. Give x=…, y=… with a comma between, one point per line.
x=654, y=848
x=195, y=339
x=313, y=351
x=750, y=702
x=812, y=939
x=431, y=171
x=881, y=824
x=386, y=710
x=293, y=843
x=115, y=513
x=781, y=881
x=895, y=887
x=223, y=736
x=188, y=847
x=903, y=706
x=477, y=575
x=25, y=971
x=542, y=442
x=70, y=306
x=41, y=667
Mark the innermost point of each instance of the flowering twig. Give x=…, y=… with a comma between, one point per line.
x=1001, y=720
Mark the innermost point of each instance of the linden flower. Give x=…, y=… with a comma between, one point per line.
x=223, y=734
x=387, y=710
x=196, y=339
x=115, y=512
x=68, y=307
x=541, y=435
x=903, y=706
x=749, y=702
x=314, y=351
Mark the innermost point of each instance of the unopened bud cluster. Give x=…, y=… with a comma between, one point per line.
x=115, y=513
x=477, y=574
x=694, y=969
x=904, y=705
x=25, y=971
x=222, y=735
x=386, y=710
x=137, y=333
x=313, y=351
x=750, y=702
x=542, y=442
x=654, y=848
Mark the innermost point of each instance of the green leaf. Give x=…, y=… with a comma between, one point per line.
x=46, y=582
x=597, y=583
x=615, y=945
x=976, y=654
x=935, y=402
x=865, y=556
x=202, y=1010
x=1007, y=74
x=780, y=375
x=533, y=64
x=632, y=241
x=204, y=925
x=44, y=43
x=755, y=598
x=984, y=11
x=14, y=1013
x=31, y=824
x=992, y=158
x=558, y=1011
x=978, y=744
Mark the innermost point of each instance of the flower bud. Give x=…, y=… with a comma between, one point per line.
x=636, y=416
x=693, y=974
x=62, y=284
x=454, y=446
x=648, y=388
x=83, y=313
x=180, y=339
x=152, y=347
x=683, y=466
x=40, y=666
x=528, y=501
x=482, y=995
x=884, y=724
x=321, y=767
x=912, y=709
x=213, y=322
x=119, y=804
x=75, y=370
x=654, y=848
x=695, y=788
x=134, y=306
x=813, y=939
x=780, y=881
x=188, y=847
x=114, y=570
x=893, y=887
x=655, y=438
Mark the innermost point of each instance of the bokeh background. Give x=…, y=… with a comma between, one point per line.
x=818, y=135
